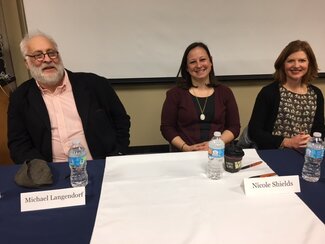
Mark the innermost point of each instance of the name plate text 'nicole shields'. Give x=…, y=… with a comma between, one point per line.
x=275, y=184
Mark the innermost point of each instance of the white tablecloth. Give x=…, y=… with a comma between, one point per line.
x=167, y=198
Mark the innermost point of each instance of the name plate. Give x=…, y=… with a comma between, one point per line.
x=275, y=184
x=39, y=200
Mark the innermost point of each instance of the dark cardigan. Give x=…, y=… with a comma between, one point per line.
x=179, y=116
x=265, y=112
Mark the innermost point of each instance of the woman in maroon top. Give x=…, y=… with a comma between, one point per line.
x=198, y=105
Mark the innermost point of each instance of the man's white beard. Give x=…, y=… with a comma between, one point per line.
x=48, y=79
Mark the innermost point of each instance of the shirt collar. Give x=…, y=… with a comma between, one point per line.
x=59, y=89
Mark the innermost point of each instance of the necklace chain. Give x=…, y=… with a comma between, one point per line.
x=205, y=103
x=202, y=115
x=300, y=90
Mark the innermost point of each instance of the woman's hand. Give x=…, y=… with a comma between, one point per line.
x=203, y=146
x=179, y=143
x=298, y=141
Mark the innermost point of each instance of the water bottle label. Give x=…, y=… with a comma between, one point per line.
x=315, y=153
x=77, y=161
x=216, y=153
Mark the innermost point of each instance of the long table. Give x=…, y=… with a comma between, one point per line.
x=290, y=162
x=75, y=224
x=62, y=225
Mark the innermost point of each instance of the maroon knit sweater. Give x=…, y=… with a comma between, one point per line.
x=179, y=115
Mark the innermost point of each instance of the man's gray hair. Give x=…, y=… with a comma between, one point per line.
x=28, y=36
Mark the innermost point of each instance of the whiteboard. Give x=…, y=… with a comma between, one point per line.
x=147, y=38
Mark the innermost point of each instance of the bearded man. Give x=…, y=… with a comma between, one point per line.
x=57, y=106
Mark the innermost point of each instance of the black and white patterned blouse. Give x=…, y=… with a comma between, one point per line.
x=296, y=113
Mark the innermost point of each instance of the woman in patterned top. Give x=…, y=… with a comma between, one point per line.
x=290, y=109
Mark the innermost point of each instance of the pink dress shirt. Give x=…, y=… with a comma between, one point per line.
x=66, y=125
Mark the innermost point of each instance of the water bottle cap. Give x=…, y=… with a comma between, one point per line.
x=75, y=142
x=217, y=133
x=317, y=134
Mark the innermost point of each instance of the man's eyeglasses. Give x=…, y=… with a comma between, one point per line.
x=40, y=56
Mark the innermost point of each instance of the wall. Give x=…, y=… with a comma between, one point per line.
x=14, y=34
x=143, y=102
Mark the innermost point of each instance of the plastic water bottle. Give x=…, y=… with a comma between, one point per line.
x=78, y=164
x=313, y=158
x=216, y=158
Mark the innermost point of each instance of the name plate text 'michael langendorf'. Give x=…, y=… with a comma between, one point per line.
x=276, y=184
x=52, y=199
